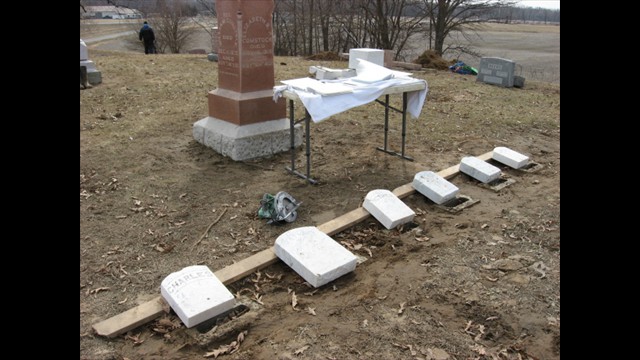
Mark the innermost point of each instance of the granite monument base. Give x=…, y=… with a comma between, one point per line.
x=245, y=142
x=94, y=76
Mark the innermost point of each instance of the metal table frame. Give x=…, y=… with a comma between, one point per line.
x=403, y=89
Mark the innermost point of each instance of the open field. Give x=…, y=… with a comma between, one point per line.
x=534, y=48
x=483, y=283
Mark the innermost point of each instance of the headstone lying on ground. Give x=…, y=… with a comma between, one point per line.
x=509, y=157
x=479, y=170
x=196, y=294
x=314, y=255
x=387, y=208
x=434, y=187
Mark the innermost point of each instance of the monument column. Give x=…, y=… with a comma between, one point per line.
x=244, y=122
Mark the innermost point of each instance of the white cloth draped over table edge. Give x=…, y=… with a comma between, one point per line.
x=321, y=107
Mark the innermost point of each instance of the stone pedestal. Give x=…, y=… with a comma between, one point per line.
x=244, y=122
x=94, y=76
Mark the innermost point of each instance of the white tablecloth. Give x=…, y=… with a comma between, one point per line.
x=321, y=107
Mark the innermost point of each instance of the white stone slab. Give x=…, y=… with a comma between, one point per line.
x=387, y=208
x=84, y=53
x=375, y=56
x=89, y=64
x=196, y=294
x=314, y=255
x=479, y=170
x=509, y=157
x=434, y=187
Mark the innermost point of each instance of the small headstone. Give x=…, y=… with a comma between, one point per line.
x=314, y=255
x=325, y=73
x=496, y=71
x=509, y=157
x=388, y=58
x=479, y=169
x=375, y=56
x=84, y=53
x=434, y=187
x=94, y=76
x=196, y=294
x=387, y=208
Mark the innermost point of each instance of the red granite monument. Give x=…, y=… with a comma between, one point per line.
x=244, y=122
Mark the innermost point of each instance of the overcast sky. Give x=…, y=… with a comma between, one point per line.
x=547, y=4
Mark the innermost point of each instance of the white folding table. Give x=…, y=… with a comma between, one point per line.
x=403, y=89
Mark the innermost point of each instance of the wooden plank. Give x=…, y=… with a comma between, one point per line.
x=406, y=65
x=143, y=313
x=150, y=310
x=242, y=268
x=130, y=319
x=344, y=221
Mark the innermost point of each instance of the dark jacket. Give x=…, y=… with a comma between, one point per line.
x=146, y=34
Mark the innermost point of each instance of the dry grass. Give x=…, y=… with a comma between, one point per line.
x=169, y=91
x=147, y=186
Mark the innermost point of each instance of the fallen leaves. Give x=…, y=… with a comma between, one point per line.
x=311, y=310
x=478, y=327
x=164, y=325
x=409, y=347
x=401, y=310
x=136, y=339
x=301, y=350
x=164, y=248
x=228, y=349
x=257, y=298
x=97, y=290
x=540, y=268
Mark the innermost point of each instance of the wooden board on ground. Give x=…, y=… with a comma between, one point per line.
x=150, y=310
x=143, y=313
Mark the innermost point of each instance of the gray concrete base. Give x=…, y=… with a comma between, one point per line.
x=247, y=141
x=94, y=76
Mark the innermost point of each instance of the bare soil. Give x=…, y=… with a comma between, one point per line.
x=483, y=283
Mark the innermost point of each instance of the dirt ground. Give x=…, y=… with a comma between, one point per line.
x=482, y=283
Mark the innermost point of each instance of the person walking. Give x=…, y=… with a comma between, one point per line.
x=148, y=37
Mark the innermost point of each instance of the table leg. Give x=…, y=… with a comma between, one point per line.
x=386, y=125
x=307, y=129
x=292, y=135
x=386, y=120
x=404, y=121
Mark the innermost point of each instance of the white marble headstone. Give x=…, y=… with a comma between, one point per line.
x=196, y=294
x=84, y=53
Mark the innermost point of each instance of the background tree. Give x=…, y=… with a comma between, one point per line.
x=172, y=25
x=458, y=15
x=391, y=23
x=206, y=18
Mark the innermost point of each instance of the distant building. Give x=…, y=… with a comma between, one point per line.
x=111, y=12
